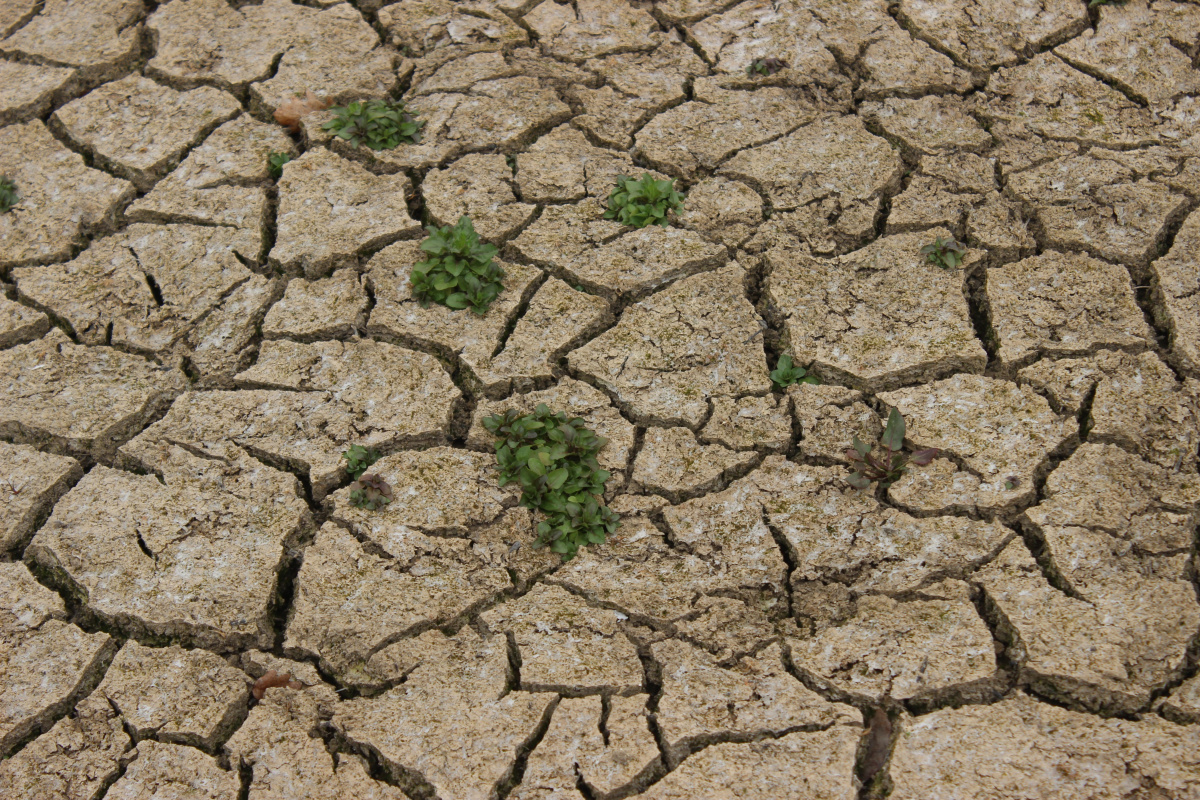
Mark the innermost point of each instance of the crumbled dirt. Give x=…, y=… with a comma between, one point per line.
x=194, y=339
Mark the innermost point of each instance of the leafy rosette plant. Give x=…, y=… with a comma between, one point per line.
x=358, y=458
x=275, y=162
x=378, y=124
x=553, y=458
x=785, y=373
x=8, y=194
x=370, y=492
x=459, y=272
x=891, y=462
x=946, y=253
x=766, y=66
x=642, y=202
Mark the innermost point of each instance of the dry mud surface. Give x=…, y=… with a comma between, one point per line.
x=188, y=345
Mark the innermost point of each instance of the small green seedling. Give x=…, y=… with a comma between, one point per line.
x=459, y=272
x=643, y=202
x=766, y=66
x=378, y=124
x=785, y=374
x=891, y=463
x=8, y=194
x=275, y=162
x=946, y=253
x=370, y=492
x=553, y=458
x=1094, y=3
x=358, y=458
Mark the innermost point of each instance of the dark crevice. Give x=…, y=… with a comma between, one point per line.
x=518, y=313
x=144, y=547
x=246, y=777
x=506, y=784
x=154, y=289
x=789, y=557
x=874, y=752
x=980, y=310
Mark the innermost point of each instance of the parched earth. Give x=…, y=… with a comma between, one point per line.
x=187, y=347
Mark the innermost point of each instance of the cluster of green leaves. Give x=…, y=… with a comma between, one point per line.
x=553, y=458
x=379, y=124
x=358, y=458
x=370, y=492
x=275, y=162
x=785, y=373
x=887, y=467
x=8, y=194
x=946, y=253
x=642, y=202
x=459, y=272
x=766, y=66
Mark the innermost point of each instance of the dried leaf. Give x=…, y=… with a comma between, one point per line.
x=923, y=457
x=291, y=110
x=271, y=680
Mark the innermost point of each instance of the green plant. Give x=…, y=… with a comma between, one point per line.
x=887, y=467
x=358, y=458
x=275, y=162
x=784, y=374
x=379, y=124
x=766, y=66
x=8, y=194
x=1094, y=3
x=370, y=492
x=946, y=253
x=459, y=272
x=642, y=202
x=553, y=458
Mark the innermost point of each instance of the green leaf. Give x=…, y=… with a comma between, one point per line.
x=893, y=433
x=858, y=481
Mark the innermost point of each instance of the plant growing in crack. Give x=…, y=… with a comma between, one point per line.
x=785, y=373
x=553, y=458
x=891, y=463
x=643, y=201
x=459, y=272
x=766, y=66
x=275, y=162
x=370, y=492
x=378, y=124
x=946, y=253
x=8, y=194
x=358, y=458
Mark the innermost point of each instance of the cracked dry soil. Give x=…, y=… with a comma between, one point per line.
x=187, y=347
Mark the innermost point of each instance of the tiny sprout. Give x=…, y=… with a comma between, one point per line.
x=8, y=194
x=785, y=374
x=1094, y=3
x=887, y=467
x=370, y=492
x=946, y=253
x=275, y=162
x=643, y=202
x=379, y=124
x=766, y=66
x=358, y=458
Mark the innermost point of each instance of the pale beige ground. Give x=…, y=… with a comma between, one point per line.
x=187, y=346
